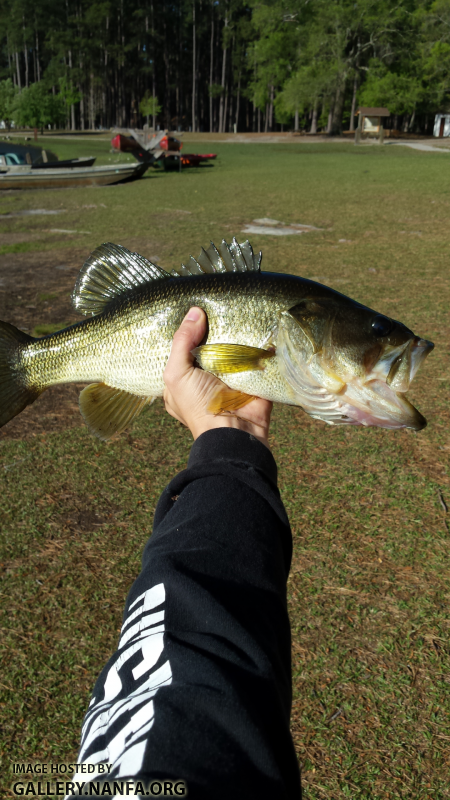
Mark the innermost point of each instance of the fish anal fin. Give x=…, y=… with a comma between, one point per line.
x=229, y=358
x=227, y=400
x=108, y=411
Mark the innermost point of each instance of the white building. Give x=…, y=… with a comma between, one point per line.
x=441, y=125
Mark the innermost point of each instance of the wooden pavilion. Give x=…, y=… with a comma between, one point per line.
x=370, y=124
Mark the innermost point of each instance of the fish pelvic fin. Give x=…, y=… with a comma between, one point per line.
x=15, y=392
x=228, y=258
x=111, y=271
x=108, y=411
x=227, y=400
x=228, y=358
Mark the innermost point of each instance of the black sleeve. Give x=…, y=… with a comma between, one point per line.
x=200, y=687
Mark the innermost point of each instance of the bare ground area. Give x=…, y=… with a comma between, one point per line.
x=35, y=289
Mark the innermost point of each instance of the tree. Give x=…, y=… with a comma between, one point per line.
x=278, y=60
x=7, y=96
x=37, y=107
x=149, y=107
x=398, y=93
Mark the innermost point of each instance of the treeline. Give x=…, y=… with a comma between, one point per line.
x=220, y=65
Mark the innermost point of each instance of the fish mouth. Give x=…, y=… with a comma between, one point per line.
x=405, y=365
x=376, y=403
x=374, y=399
x=380, y=400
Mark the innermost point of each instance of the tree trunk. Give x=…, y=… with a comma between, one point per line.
x=153, y=67
x=19, y=82
x=194, y=76
x=211, y=63
x=224, y=130
x=37, y=58
x=238, y=100
x=222, y=115
x=353, y=109
x=179, y=72
x=338, y=107
x=72, y=107
x=296, y=120
x=313, y=128
x=25, y=54
x=266, y=126
x=91, y=102
x=81, y=90
x=271, y=108
x=330, y=117
x=166, y=79
x=107, y=94
x=9, y=56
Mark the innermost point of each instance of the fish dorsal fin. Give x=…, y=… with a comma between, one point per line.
x=229, y=258
x=108, y=411
x=110, y=271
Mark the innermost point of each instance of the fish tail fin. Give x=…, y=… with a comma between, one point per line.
x=15, y=392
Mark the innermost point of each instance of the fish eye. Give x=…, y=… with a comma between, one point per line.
x=382, y=326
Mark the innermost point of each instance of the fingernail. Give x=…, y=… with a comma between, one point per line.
x=193, y=315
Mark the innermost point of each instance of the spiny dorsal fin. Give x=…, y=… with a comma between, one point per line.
x=108, y=411
x=231, y=258
x=110, y=271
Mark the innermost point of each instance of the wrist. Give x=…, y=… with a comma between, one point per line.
x=230, y=421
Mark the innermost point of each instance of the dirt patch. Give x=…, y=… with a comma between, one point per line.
x=36, y=288
x=55, y=410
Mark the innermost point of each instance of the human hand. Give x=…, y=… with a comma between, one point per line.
x=189, y=389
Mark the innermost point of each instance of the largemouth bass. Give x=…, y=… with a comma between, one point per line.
x=276, y=336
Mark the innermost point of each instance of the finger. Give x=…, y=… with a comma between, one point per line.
x=189, y=335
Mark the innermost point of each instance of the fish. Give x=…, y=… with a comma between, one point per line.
x=280, y=337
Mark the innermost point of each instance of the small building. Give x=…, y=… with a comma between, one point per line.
x=441, y=125
x=370, y=123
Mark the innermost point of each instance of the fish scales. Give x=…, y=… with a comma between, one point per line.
x=128, y=345
x=271, y=335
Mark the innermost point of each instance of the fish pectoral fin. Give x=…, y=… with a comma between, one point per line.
x=227, y=400
x=108, y=411
x=228, y=358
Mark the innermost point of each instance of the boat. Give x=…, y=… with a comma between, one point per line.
x=195, y=159
x=69, y=163
x=158, y=146
x=37, y=158
x=26, y=177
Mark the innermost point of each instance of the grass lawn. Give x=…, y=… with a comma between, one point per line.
x=369, y=590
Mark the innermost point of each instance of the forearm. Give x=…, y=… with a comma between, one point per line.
x=206, y=635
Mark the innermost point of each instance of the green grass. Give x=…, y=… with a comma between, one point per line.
x=370, y=585
x=50, y=327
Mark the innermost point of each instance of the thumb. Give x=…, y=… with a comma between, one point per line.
x=189, y=335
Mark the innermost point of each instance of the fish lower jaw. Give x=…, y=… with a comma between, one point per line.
x=374, y=403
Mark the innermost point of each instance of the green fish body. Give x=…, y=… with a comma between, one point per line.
x=270, y=335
